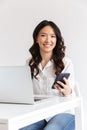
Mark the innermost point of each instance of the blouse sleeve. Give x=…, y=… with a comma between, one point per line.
x=70, y=69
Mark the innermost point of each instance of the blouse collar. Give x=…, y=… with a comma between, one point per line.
x=50, y=63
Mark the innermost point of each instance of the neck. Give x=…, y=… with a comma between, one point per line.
x=46, y=56
x=45, y=59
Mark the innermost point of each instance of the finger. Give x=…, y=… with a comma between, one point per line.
x=57, y=86
x=61, y=84
x=65, y=80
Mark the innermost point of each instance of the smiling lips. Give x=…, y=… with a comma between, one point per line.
x=47, y=45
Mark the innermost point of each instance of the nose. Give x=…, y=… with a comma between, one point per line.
x=48, y=39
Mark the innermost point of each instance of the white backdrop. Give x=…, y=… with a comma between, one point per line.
x=18, y=19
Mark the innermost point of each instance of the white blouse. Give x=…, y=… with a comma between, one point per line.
x=46, y=77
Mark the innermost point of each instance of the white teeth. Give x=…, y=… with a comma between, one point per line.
x=47, y=45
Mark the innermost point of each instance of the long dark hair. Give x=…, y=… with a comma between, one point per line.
x=58, y=51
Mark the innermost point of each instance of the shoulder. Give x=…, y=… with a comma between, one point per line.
x=68, y=64
x=67, y=61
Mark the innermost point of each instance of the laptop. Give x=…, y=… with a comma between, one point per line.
x=16, y=85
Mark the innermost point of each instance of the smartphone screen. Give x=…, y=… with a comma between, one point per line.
x=59, y=77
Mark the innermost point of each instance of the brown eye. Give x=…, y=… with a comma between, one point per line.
x=53, y=36
x=42, y=35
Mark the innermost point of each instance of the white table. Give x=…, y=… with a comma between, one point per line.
x=15, y=116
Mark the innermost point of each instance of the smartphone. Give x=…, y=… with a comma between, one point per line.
x=59, y=77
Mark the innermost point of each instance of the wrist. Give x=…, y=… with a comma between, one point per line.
x=68, y=93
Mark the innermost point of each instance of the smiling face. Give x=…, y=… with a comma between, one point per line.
x=46, y=39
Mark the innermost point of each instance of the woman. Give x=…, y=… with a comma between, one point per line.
x=48, y=60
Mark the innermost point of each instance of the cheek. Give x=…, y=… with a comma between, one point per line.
x=54, y=43
x=40, y=44
x=40, y=40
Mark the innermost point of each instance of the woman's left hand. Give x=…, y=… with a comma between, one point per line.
x=65, y=90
